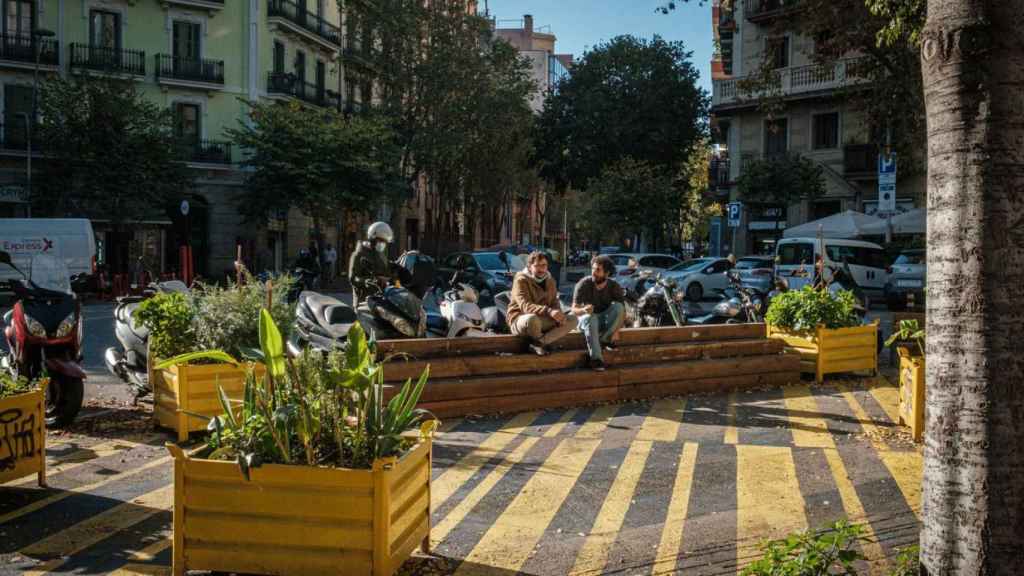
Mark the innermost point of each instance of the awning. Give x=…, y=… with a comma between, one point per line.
x=910, y=222
x=849, y=224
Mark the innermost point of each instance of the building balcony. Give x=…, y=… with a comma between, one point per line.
x=359, y=57
x=206, y=152
x=799, y=81
x=718, y=173
x=188, y=73
x=288, y=85
x=761, y=11
x=108, y=60
x=294, y=18
x=20, y=52
x=210, y=6
x=860, y=161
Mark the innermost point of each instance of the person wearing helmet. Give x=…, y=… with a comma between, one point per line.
x=369, y=266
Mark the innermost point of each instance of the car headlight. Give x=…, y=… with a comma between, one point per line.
x=34, y=327
x=67, y=325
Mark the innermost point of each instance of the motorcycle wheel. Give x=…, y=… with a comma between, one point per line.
x=63, y=401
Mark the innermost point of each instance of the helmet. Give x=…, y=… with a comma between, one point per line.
x=380, y=231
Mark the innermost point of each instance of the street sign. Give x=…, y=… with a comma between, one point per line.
x=735, y=210
x=886, y=183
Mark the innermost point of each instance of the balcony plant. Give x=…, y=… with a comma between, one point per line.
x=23, y=418
x=324, y=472
x=912, y=375
x=825, y=329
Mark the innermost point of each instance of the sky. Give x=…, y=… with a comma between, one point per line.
x=581, y=24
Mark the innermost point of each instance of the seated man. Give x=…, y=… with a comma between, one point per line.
x=598, y=301
x=534, y=310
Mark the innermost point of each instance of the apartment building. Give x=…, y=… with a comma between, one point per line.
x=815, y=122
x=197, y=58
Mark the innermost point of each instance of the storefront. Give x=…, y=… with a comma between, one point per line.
x=765, y=225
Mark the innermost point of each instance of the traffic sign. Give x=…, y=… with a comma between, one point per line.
x=735, y=211
x=886, y=183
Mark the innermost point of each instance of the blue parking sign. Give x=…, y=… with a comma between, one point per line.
x=887, y=163
x=735, y=210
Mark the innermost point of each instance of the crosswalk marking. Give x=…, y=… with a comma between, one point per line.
x=508, y=544
x=449, y=481
x=732, y=435
x=768, y=499
x=28, y=509
x=89, y=532
x=82, y=457
x=888, y=397
x=142, y=570
x=663, y=420
x=672, y=533
x=904, y=466
x=149, y=553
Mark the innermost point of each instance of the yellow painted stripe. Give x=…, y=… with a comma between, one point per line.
x=509, y=542
x=663, y=420
x=89, y=532
x=731, y=434
x=82, y=457
x=887, y=396
x=449, y=481
x=149, y=553
x=439, y=532
x=447, y=426
x=594, y=554
x=905, y=467
x=768, y=499
x=672, y=533
x=811, y=431
x=28, y=509
x=142, y=570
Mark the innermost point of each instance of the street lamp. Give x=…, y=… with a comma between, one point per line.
x=37, y=35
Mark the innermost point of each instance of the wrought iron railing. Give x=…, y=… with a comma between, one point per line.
x=105, y=59
x=206, y=151
x=194, y=70
x=23, y=49
x=291, y=85
x=300, y=16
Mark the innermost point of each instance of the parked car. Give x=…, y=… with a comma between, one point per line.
x=654, y=263
x=700, y=277
x=907, y=276
x=484, y=271
x=757, y=272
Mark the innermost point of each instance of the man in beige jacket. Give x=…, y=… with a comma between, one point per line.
x=534, y=310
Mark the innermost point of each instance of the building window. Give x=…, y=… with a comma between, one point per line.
x=300, y=66
x=778, y=52
x=321, y=78
x=186, y=41
x=187, y=122
x=105, y=29
x=776, y=137
x=278, y=57
x=826, y=130
x=17, y=107
x=19, y=17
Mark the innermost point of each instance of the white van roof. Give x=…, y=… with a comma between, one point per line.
x=833, y=241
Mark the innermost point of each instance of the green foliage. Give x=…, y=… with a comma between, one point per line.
x=811, y=554
x=169, y=318
x=806, y=309
x=228, y=318
x=11, y=386
x=109, y=151
x=904, y=20
x=632, y=196
x=217, y=356
x=327, y=410
x=908, y=330
x=786, y=179
x=626, y=98
x=318, y=160
x=908, y=562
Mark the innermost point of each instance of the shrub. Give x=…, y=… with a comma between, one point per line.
x=811, y=554
x=803, y=310
x=168, y=316
x=11, y=386
x=228, y=319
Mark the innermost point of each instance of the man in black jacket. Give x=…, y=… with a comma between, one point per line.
x=598, y=301
x=369, y=267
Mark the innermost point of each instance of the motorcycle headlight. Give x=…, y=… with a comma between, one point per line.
x=67, y=325
x=34, y=327
x=678, y=296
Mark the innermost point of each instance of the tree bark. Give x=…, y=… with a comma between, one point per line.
x=973, y=494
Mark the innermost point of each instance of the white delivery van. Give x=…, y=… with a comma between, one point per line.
x=867, y=260
x=70, y=239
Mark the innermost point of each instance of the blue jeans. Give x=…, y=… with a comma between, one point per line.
x=598, y=329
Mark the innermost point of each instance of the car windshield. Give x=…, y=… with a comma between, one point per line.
x=691, y=265
x=49, y=273
x=910, y=258
x=748, y=263
x=491, y=261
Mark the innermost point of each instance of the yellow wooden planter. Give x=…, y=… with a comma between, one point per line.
x=180, y=390
x=827, y=351
x=297, y=520
x=912, y=392
x=23, y=436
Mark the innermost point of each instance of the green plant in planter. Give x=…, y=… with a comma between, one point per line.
x=11, y=386
x=228, y=318
x=169, y=317
x=804, y=310
x=909, y=330
x=811, y=554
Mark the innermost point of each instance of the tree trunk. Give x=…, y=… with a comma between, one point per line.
x=973, y=495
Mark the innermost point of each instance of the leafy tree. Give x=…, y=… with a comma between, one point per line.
x=626, y=98
x=697, y=207
x=109, y=151
x=318, y=160
x=786, y=180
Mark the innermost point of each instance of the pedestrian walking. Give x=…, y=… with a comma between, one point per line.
x=330, y=261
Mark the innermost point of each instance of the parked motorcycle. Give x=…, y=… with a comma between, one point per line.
x=662, y=304
x=461, y=313
x=44, y=334
x=129, y=362
x=739, y=304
